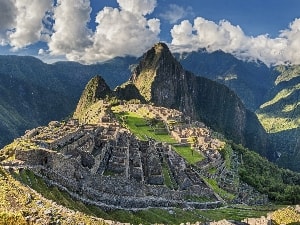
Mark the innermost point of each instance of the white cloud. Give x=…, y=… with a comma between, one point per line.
x=119, y=32
x=176, y=12
x=292, y=39
x=128, y=30
x=28, y=22
x=231, y=39
x=8, y=12
x=70, y=32
x=139, y=7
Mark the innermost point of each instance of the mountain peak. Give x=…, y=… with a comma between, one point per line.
x=162, y=80
x=95, y=90
x=157, y=64
x=160, y=47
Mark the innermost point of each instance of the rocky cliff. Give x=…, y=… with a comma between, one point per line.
x=162, y=80
x=250, y=80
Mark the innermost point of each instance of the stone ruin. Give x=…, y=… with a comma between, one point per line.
x=108, y=167
x=105, y=165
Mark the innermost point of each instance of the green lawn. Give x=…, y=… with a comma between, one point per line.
x=214, y=185
x=188, y=154
x=232, y=214
x=138, y=125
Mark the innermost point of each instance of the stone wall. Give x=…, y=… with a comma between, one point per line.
x=108, y=166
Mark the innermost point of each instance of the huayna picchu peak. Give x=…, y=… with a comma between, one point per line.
x=155, y=149
x=162, y=80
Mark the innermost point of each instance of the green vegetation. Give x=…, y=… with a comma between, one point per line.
x=281, y=111
x=279, y=184
x=144, y=82
x=17, y=201
x=150, y=216
x=177, y=216
x=141, y=127
x=53, y=193
x=169, y=180
x=237, y=214
x=287, y=73
x=214, y=185
x=138, y=125
x=190, y=155
x=281, y=95
x=212, y=170
x=226, y=153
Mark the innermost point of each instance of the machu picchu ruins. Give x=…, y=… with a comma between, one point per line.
x=99, y=161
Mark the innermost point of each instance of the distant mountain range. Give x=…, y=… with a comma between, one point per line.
x=33, y=93
x=272, y=93
x=251, y=81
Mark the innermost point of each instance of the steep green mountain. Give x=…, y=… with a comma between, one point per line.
x=95, y=90
x=280, y=111
x=162, y=80
x=251, y=81
x=33, y=93
x=280, y=115
x=273, y=93
x=104, y=170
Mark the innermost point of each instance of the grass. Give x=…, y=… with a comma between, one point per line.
x=149, y=216
x=138, y=125
x=169, y=181
x=9, y=218
x=212, y=170
x=214, y=185
x=233, y=213
x=190, y=155
x=18, y=201
x=227, y=153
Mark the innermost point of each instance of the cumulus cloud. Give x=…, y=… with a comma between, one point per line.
x=140, y=7
x=70, y=32
x=292, y=42
x=119, y=32
x=28, y=24
x=231, y=39
x=129, y=30
x=8, y=12
x=176, y=12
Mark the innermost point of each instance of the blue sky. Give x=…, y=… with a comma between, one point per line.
x=91, y=31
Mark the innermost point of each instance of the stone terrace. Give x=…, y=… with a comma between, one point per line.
x=107, y=166
x=104, y=164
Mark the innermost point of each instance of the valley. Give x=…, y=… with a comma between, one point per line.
x=29, y=89
x=165, y=146
x=45, y=159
